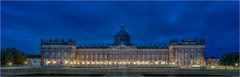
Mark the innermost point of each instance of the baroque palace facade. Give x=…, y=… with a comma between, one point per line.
x=122, y=53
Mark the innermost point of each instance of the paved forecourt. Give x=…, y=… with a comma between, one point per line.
x=115, y=72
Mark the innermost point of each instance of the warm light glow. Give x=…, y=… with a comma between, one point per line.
x=109, y=62
x=162, y=62
x=88, y=62
x=115, y=62
x=71, y=62
x=124, y=63
x=138, y=63
x=66, y=62
x=25, y=62
x=156, y=62
x=97, y=63
x=106, y=62
x=54, y=62
x=146, y=62
x=134, y=62
x=120, y=62
x=9, y=63
x=83, y=62
x=48, y=62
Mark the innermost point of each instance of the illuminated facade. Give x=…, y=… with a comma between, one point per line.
x=121, y=53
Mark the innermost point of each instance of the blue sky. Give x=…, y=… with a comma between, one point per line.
x=23, y=24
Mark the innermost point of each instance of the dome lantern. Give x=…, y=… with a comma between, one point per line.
x=122, y=37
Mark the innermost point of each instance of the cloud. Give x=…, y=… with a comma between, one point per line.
x=146, y=22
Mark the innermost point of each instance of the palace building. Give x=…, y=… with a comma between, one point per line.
x=121, y=53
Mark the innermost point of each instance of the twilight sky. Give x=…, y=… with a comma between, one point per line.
x=23, y=24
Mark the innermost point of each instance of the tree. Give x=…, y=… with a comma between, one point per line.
x=19, y=58
x=12, y=55
x=230, y=58
x=34, y=56
x=3, y=60
x=9, y=57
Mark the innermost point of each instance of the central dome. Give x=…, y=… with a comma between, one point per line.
x=122, y=37
x=122, y=32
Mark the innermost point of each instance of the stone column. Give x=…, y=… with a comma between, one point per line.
x=176, y=57
x=183, y=55
x=195, y=57
x=198, y=57
x=183, y=59
x=187, y=56
x=203, y=60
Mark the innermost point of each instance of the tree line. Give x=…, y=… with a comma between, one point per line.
x=231, y=59
x=12, y=56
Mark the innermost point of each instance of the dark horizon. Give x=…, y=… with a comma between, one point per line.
x=24, y=23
